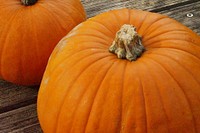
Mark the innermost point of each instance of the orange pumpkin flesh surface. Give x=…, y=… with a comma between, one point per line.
x=86, y=89
x=28, y=35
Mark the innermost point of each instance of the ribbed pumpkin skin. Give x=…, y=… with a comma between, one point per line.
x=28, y=35
x=86, y=89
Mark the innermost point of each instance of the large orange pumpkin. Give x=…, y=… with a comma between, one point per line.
x=87, y=89
x=29, y=32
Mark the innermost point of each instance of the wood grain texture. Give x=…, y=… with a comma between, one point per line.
x=20, y=120
x=15, y=96
x=18, y=103
x=180, y=14
x=94, y=7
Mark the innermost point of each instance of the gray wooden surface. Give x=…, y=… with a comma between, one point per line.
x=18, y=103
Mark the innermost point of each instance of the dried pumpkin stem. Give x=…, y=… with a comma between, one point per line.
x=28, y=2
x=127, y=43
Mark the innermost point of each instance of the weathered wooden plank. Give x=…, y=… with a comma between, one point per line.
x=20, y=120
x=94, y=7
x=189, y=15
x=34, y=128
x=15, y=96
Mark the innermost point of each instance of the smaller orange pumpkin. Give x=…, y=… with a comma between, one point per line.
x=87, y=89
x=29, y=31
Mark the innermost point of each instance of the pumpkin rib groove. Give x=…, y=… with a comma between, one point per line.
x=124, y=76
x=80, y=10
x=77, y=105
x=142, y=98
x=115, y=19
x=94, y=20
x=160, y=96
x=189, y=103
x=35, y=34
x=122, y=96
x=55, y=16
x=163, y=39
x=170, y=39
x=98, y=30
x=91, y=35
x=99, y=45
x=78, y=52
x=71, y=7
x=5, y=34
x=129, y=104
x=186, y=69
x=129, y=16
x=81, y=97
x=109, y=37
x=158, y=28
x=141, y=87
x=142, y=23
x=69, y=56
x=88, y=35
x=104, y=78
x=175, y=81
x=186, y=97
x=165, y=32
x=82, y=32
x=47, y=11
x=102, y=48
x=179, y=87
x=130, y=121
x=9, y=25
x=98, y=86
x=118, y=20
x=180, y=50
x=21, y=49
x=103, y=111
x=2, y=6
x=150, y=25
x=71, y=84
x=61, y=3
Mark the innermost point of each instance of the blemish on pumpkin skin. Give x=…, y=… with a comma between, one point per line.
x=61, y=45
x=46, y=80
x=93, y=49
x=63, y=42
x=71, y=34
x=85, y=102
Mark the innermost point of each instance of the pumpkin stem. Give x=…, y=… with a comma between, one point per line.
x=28, y=2
x=127, y=43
